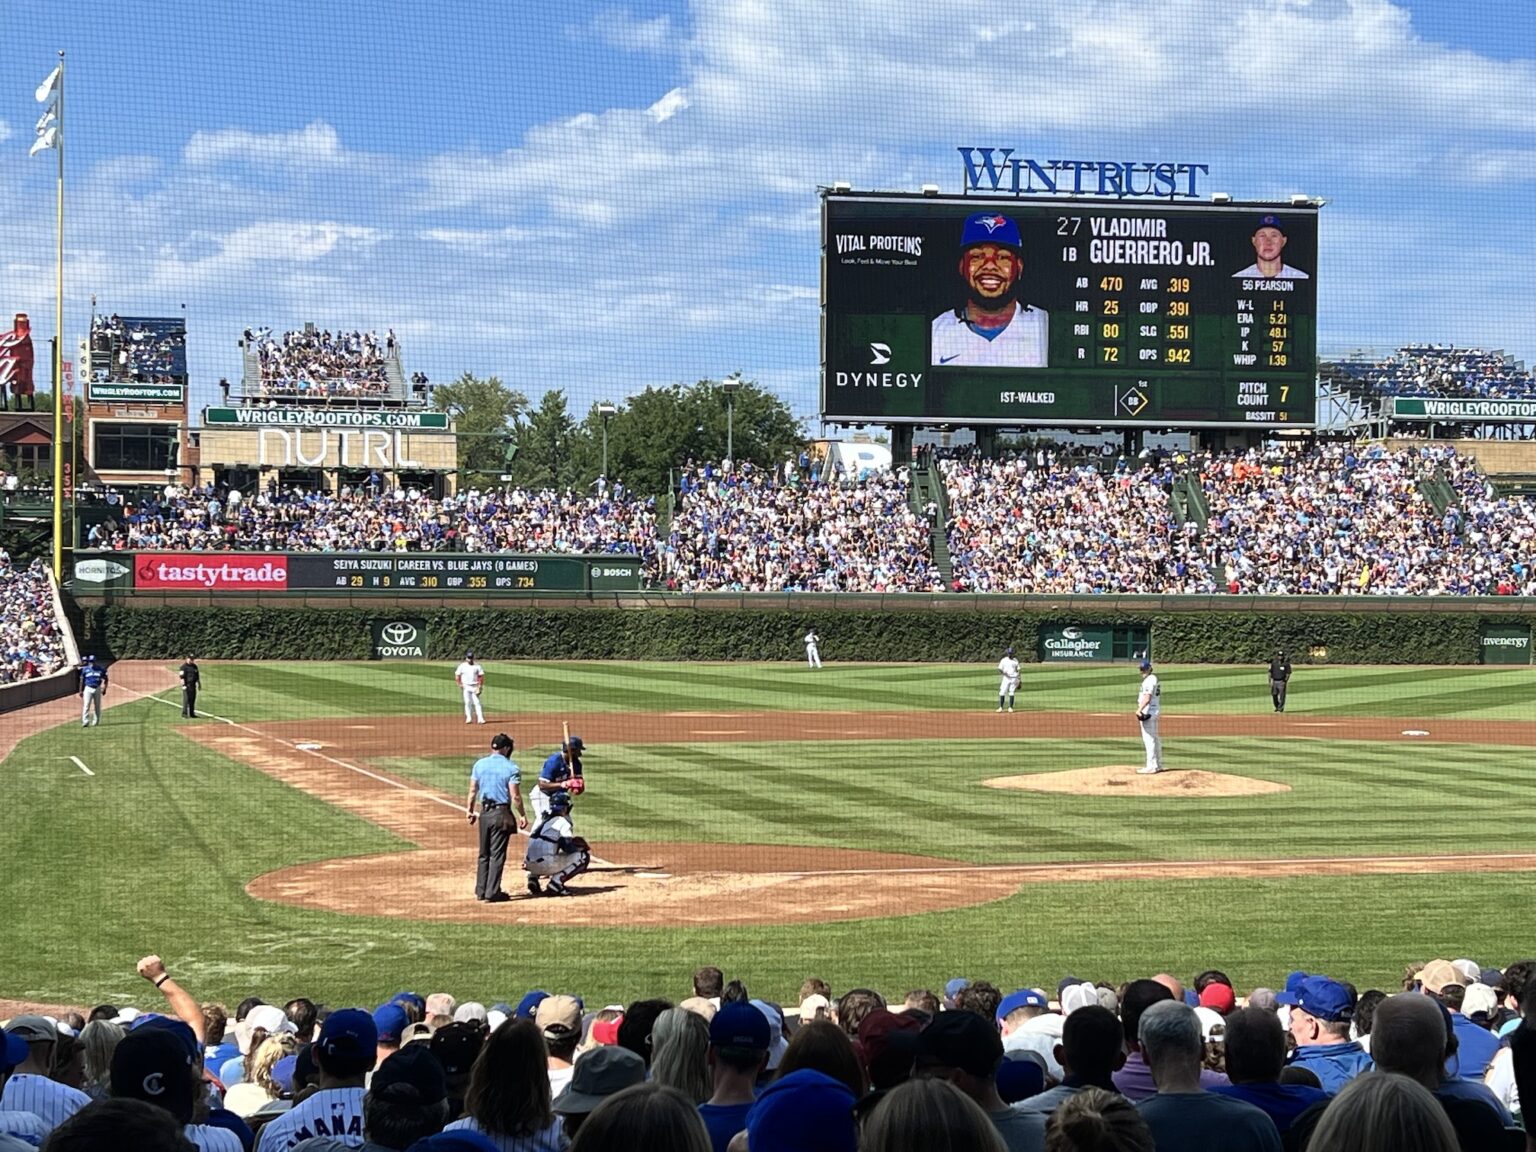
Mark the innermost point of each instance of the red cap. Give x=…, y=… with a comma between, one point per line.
x=1219, y=997
x=606, y=1031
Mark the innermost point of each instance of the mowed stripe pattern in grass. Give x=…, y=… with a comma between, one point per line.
x=255, y=692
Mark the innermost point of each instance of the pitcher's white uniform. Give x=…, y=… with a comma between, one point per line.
x=1008, y=668
x=812, y=656
x=1149, y=701
x=470, y=676
x=543, y=857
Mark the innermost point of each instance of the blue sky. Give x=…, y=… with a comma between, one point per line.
x=601, y=198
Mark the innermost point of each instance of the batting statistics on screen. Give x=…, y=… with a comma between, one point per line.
x=999, y=311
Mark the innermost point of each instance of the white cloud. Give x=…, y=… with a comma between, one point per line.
x=269, y=245
x=669, y=105
x=5, y=131
x=617, y=27
x=316, y=143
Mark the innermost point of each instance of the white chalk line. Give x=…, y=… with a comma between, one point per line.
x=80, y=764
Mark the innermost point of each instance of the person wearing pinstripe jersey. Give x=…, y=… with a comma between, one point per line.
x=29, y=1089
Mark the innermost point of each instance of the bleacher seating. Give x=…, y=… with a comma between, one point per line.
x=139, y=349
x=1435, y=370
x=311, y=364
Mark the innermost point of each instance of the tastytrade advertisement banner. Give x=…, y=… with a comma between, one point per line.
x=210, y=572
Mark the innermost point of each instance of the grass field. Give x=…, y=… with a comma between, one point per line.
x=153, y=851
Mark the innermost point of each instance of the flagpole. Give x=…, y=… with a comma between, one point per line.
x=58, y=352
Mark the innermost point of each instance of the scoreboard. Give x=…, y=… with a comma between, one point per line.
x=1017, y=312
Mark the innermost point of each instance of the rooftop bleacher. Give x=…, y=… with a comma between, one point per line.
x=139, y=349
x=314, y=365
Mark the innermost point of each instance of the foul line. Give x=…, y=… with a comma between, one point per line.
x=80, y=764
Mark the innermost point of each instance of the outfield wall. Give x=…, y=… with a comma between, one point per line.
x=747, y=626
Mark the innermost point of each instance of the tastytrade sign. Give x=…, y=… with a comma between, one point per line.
x=193, y=571
x=998, y=170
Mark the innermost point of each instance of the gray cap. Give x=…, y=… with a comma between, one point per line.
x=597, y=1075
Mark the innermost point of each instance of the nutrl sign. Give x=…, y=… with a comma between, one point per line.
x=998, y=170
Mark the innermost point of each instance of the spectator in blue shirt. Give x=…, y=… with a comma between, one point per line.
x=1255, y=1055
x=1321, y=1010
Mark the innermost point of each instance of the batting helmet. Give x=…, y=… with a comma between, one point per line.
x=575, y=744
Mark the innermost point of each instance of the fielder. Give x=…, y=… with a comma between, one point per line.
x=554, y=850
x=1008, y=667
x=560, y=776
x=93, y=689
x=470, y=677
x=812, y=653
x=1148, y=705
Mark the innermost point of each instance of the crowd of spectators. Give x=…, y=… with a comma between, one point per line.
x=1149, y=1065
x=146, y=351
x=31, y=640
x=1325, y=519
x=311, y=363
x=1050, y=527
x=749, y=529
x=374, y=518
x=1441, y=371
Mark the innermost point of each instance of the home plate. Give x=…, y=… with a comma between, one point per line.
x=653, y=875
x=309, y=747
x=361, y=727
x=720, y=731
x=1414, y=732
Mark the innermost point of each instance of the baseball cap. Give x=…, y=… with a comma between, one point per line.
x=1479, y=998
x=558, y=1017
x=409, y=998
x=469, y=655
x=13, y=1050
x=283, y=1070
x=956, y=986
x=1077, y=996
x=597, y=1075
x=1270, y=220
x=740, y=1025
x=990, y=228
x=806, y=1111
x=152, y=1065
x=410, y=1076
x=1471, y=971
x=1321, y=997
x=180, y=1029
x=1438, y=974
x=529, y=1004
x=456, y=1046
x=699, y=1006
x=1218, y=997
x=887, y=1045
x=776, y=1042
x=270, y=1017
x=33, y=1030
x=1023, y=998
x=813, y=1004
x=416, y=1033
x=606, y=1032
x=390, y=1020
x=440, y=1004
x=1210, y=1021
x=1020, y=1075
x=348, y=1042
x=470, y=1010
x=960, y=1040
x=1145, y=665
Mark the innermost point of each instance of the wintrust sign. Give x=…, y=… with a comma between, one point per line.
x=173, y=571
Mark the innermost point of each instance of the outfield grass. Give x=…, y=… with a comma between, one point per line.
x=152, y=853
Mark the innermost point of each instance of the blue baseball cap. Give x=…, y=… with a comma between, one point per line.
x=390, y=1020
x=576, y=743
x=1145, y=665
x=283, y=1070
x=1019, y=1076
x=1269, y=220
x=1321, y=997
x=348, y=1042
x=1023, y=998
x=956, y=986
x=806, y=1111
x=990, y=228
x=529, y=1004
x=1293, y=980
x=409, y=997
x=177, y=1028
x=13, y=1050
x=739, y=1025
x=461, y=1140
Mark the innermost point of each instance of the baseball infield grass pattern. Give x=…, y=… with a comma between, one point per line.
x=153, y=852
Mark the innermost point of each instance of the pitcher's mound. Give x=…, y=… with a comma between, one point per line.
x=1123, y=780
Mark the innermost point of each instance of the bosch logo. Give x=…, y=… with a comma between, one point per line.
x=399, y=634
x=1071, y=633
x=880, y=353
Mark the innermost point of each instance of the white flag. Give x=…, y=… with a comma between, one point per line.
x=50, y=85
x=47, y=117
x=48, y=138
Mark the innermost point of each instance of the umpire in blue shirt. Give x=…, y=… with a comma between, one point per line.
x=494, y=787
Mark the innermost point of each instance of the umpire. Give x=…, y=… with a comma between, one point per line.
x=191, y=681
x=494, y=784
x=1279, y=677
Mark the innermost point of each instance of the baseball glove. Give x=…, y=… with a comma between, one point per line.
x=575, y=844
x=576, y=786
x=1143, y=716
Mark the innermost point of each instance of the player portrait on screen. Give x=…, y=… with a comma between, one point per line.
x=992, y=327
x=1268, y=246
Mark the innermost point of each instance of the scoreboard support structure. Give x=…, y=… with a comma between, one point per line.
x=976, y=312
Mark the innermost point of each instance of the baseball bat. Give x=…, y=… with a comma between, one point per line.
x=565, y=733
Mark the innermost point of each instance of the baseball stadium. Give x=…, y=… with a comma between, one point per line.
x=1068, y=685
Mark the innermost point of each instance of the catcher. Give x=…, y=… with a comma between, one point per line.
x=554, y=850
x=561, y=774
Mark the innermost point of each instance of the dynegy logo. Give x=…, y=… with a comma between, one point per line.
x=880, y=353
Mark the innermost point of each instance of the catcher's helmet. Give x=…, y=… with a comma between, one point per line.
x=560, y=802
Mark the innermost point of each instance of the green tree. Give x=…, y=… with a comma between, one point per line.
x=552, y=450
x=660, y=429
x=484, y=413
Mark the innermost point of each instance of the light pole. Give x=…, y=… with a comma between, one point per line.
x=732, y=385
x=605, y=410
